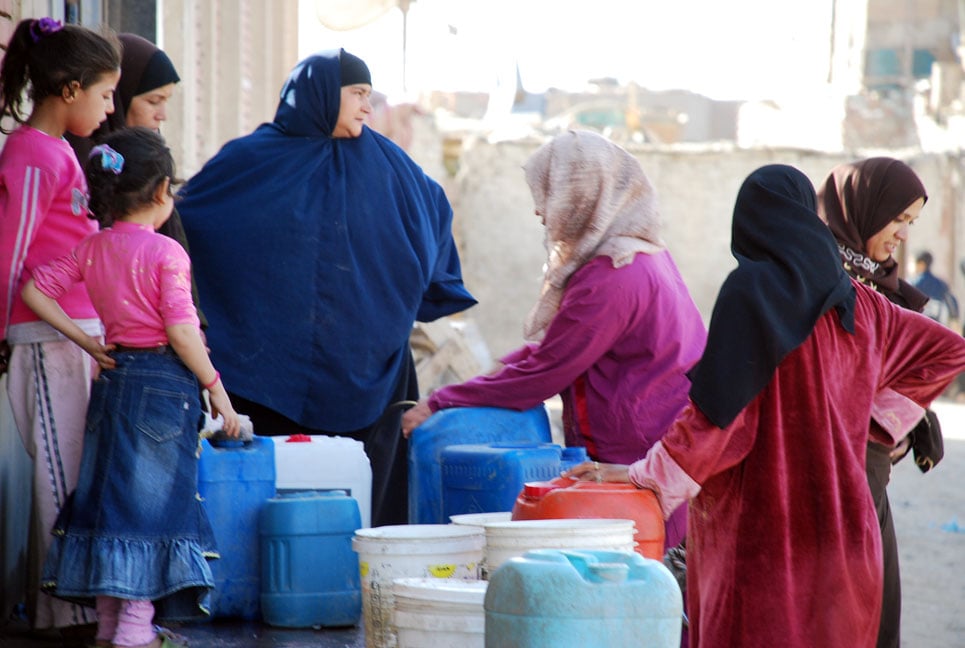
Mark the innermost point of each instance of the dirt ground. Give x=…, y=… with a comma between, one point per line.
x=929, y=511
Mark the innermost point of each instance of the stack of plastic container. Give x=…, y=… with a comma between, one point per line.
x=318, y=462
x=565, y=498
x=461, y=425
x=487, y=477
x=387, y=553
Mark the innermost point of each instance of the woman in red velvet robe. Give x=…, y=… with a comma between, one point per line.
x=783, y=540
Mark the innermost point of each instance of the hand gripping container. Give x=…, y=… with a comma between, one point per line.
x=551, y=597
x=235, y=479
x=461, y=425
x=565, y=498
x=309, y=573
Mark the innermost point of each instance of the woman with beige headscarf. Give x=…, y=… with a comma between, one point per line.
x=614, y=330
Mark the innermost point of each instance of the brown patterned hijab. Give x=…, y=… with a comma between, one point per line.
x=595, y=200
x=857, y=200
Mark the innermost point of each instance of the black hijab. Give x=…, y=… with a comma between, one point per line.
x=788, y=275
x=144, y=67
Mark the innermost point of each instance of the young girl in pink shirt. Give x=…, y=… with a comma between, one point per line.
x=135, y=538
x=68, y=74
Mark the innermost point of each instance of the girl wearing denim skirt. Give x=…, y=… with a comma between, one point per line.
x=134, y=540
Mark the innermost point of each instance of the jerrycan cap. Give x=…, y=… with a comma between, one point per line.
x=298, y=438
x=538, y=489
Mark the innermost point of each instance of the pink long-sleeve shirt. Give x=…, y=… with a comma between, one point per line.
x=139, y=281
x=617, y=352
x=43, y=215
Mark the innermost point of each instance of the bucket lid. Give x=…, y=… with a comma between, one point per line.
x=451, y=590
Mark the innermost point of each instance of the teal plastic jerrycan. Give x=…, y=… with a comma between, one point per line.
x=552, y=597
x=309, y=573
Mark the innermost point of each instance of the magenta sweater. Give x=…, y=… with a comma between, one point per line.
x=43, y=215
x=616, y=352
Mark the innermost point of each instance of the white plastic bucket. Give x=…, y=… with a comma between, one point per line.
x=439, y=613
x=409, y=550
x=505, y=540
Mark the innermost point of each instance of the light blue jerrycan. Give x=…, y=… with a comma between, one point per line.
x=605, y=599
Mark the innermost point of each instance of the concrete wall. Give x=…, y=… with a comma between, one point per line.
x=502, y=240
x=233, y=57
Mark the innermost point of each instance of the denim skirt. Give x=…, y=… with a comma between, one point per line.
x=135, y=527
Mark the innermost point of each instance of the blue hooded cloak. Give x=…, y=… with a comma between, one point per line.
x=314, y=256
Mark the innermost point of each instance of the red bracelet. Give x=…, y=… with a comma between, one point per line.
x=214, y=381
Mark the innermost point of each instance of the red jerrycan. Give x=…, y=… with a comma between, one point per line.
x=565, y=498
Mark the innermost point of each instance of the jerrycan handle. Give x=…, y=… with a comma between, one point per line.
x=538, y=489
x=213, y=431
x=228, y=443
x=610, y=572
x=599, y=567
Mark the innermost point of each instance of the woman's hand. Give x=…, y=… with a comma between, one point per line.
x=415, y=416
x=899, y=451
x=599, y=472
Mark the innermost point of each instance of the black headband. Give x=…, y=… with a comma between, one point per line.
x=353, y=69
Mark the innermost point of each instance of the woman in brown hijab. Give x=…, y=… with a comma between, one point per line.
x=869, y=206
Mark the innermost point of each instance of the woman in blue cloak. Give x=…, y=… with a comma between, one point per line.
x=316, y=244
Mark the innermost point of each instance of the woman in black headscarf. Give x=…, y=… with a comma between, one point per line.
x=148, y=78
x=869, y=206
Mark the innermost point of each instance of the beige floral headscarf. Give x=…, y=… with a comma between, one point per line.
x=595, y=200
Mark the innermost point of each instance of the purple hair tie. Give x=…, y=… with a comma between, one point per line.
x=44, y=27
x=111, y=160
